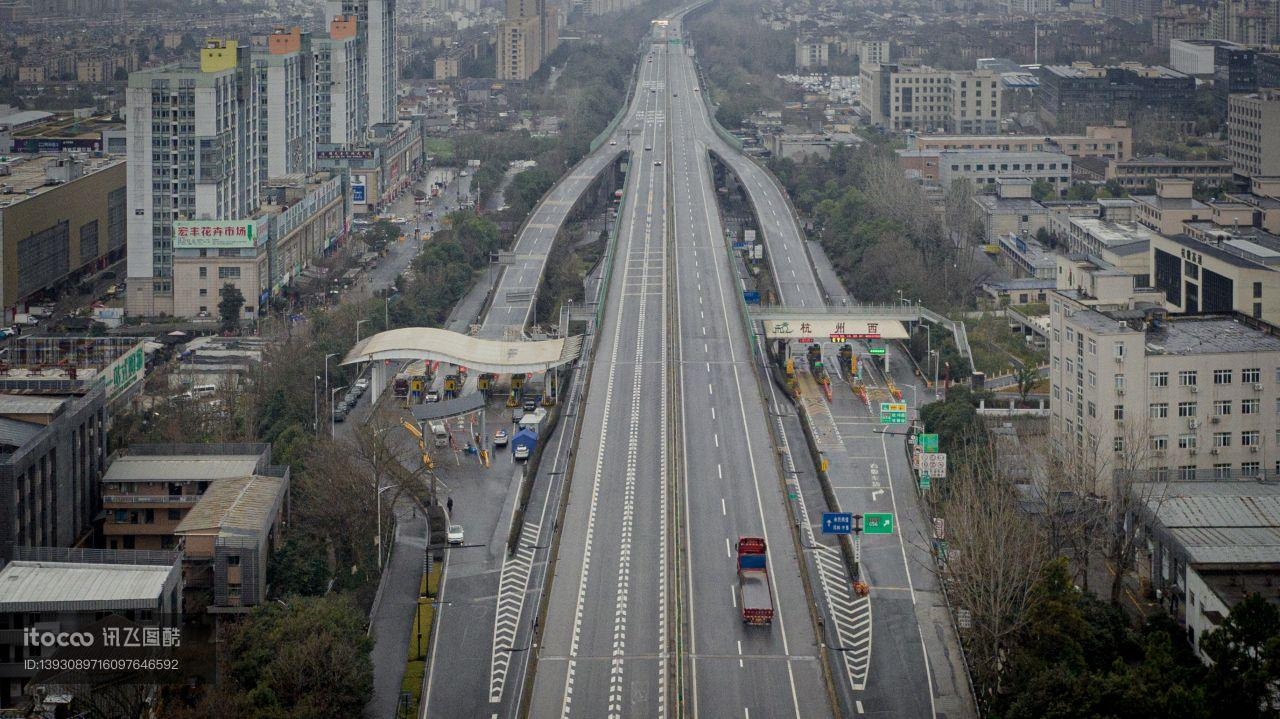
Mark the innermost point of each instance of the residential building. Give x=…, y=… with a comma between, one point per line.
x=986, y=167
x=1172, y=26
x=1172, y=205
x=1022, y=291
x=228, y=538
x=1208, y=544
x=1139, y=173
x=1253, y=133
x=1113, y=143
x=53, y=452
x=811, y=53
x=286, y=78
x=519, y=53
x=1011, y=210
x=1134, y=389
x=376, y=27
x=1212, y=268
x=50, y=589
x=1235, y=71
x=148, y=490
x=385, y=164
x=193, y=155
x=62, y=219
x=446, y=66
x=1264, y=199
x=1080, y=94
x=873, y=52
x=917, y=97
x=342, y=116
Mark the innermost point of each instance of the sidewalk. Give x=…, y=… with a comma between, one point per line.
x=392, y=619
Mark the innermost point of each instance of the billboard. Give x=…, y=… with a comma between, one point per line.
x=358, y=191
x=212, y=234
x=345, y=154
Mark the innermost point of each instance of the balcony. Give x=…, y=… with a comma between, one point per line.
x=134, y=499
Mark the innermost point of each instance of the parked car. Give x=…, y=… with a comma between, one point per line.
x=455, y=535
x=500, y=438
x=339, y=415
x=363, y=383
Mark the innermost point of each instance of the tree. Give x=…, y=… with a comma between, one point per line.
x=1042, y=190
x=1244, y=679
x=230, y=305
x=1027, y=376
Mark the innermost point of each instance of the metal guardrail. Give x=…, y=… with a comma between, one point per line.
x=150, y=498
x=891, y=312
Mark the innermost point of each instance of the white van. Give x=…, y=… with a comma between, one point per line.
x=204, y=390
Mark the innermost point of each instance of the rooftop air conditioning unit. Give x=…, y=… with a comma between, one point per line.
x=1257, y=387
x=1194, y=389
x=1213, y=451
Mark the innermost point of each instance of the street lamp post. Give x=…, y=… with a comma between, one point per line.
x=935, y=373
x=315, y=400
x=326, y=382
x=378, y=494
x=358, y=323
x=386, y=310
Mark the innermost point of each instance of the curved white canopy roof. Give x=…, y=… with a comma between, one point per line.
x=413, y=343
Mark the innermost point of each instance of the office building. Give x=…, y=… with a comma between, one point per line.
x=1139, y=173
x=873, y=52
x=1135, y=389
x=193, y=155
x=925, y=99
x=1253, y=133
x=1011, y=211
x=1172, y=205
x=1114, y=143
x=62, y=219
x=985, y=167
x=376, y=27
x=342, y=116
x=286, y=78
x=1113, y=238
x=1215, y=267
x=53, y=451
x=1080, y=94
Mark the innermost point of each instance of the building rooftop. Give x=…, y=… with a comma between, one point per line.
x=241, y=506
x=1018, y=205
x=15, y=433
x=1236, y=251
x=27, y=176
x=1022, y=283
x=1119, y=237
x=45, y=586
x=1170, y=203
x=161, y=468
x=31, y=404
x=1221, y=522
x=24, y=118
x=1206, y=335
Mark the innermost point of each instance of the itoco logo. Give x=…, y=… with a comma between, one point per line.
x=37, y=638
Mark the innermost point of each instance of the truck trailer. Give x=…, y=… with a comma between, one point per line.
x=754, y=595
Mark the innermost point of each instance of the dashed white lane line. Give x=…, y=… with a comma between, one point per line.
x=727, y=551
x=716, y=437
x=723, y=511
x=858, y=703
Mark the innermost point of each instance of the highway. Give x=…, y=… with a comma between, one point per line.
x=604, y=650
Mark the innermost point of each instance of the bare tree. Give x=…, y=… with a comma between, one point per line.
x=995, y=554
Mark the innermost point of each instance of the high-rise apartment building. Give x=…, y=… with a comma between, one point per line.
x=1253, y=133
x=287, y=112
x=341, y=112
x=519, y=48
x=376, y=25
x=193, y=154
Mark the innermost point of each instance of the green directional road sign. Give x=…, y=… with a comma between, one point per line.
x=925, y=481
x=928, y=443
x=878, y=523
x=893, y=413
x=877, y=351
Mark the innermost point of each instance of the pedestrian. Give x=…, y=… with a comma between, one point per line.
x=449, y=504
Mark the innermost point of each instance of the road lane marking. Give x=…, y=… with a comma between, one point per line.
x=723, y=511
x=727, y=552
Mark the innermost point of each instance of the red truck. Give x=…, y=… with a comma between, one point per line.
x=753, y=581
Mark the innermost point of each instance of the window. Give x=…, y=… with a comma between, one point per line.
x=1187, y=378
x=1222, y=470
x=175, y=515
x=204, y=273
x=1093, y=410
x=1251, y=375
x=1057, y=336
x=204, y=291
x=1056, y=392
x=1250, y=406
x=1223, y=376
x=1071, y=335
x=1055, y=363
x=1117, y=412
x=1118, y=350
x=1071, y=367
x=1250, y=469
x=233, y=560
x=1119, y=381
x=1186, y=409
x=1159, y=410
x=1159, y=379
x=1093, y=346
x=1250, y=438
x=228, y=273
x=1160, y=443
x=1071, y=397
x=1117, y=444
x=1222, y=439
x=1186, y=441
x=1093, y=379
x=1187, y=472
x=1221, y=407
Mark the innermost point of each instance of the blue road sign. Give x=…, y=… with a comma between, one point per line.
x=837, y=522
x=751, y=297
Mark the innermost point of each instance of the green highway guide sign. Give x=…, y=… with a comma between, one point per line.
x=877, y=351
x=893, y=413
x=878, y=523
x=928, y=443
